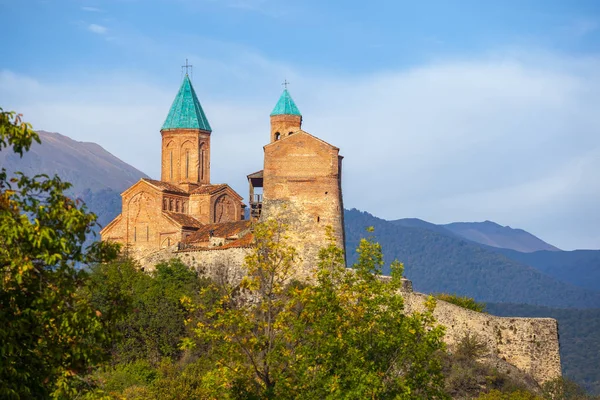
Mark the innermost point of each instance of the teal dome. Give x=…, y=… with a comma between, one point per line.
x=186, y=111
x=285, y=105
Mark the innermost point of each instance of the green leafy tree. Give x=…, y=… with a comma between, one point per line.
x=356, y=340
x=154, y=323
x=50, y=335
x=343, y=335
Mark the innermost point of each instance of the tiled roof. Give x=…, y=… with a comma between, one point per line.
x=245, y=241
x=257, y=174
x=186, y=221
x=285, y=105
x=222, y=230
x=186, y=111
x=164, y=186
x=208, y=189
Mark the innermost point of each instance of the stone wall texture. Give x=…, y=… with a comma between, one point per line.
x=220, y=265
x=302, y=189
x=530, y=344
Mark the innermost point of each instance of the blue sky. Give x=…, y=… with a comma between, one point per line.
x=444, y=110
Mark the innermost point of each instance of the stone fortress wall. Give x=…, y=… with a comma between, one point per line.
x=529, y=344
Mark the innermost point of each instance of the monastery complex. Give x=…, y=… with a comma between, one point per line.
x=185, y=212
x=187, y=216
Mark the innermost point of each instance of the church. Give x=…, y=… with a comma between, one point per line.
x=183, y=212
x=185, y=215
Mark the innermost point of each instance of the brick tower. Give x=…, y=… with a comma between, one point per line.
x=302, y=183
x=186, y=141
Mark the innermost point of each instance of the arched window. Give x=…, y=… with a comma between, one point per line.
x=165, y=204
x=289, y=133
x=277, y=135
x=177, y=206
x=202, y=161
x=170, y=204
x=187, y=163
x=183, y=207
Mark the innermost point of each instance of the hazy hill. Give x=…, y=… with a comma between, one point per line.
x=579, y=338
x=419, y=223
x=97, y=176
x=492, y=234
x=578, y=267
x=438, y=262
x=86, y=165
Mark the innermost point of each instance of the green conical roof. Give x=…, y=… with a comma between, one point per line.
x=285, y=105
x=186, y=111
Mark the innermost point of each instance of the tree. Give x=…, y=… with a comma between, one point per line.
x=154, y=322
x=49, y=336
x=342, y=335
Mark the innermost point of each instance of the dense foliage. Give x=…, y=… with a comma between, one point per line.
x=345, y=335
x=49, y=335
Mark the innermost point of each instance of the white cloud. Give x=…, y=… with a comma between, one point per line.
x=99, y=29
x=91, y=9
x=508, y=137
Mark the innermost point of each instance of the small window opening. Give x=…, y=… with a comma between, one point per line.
x=326, y=192
x=147, y=234
x=134, y=234
x=289, y=133
x=318, y=219
x=277, y=135
x=177, y=206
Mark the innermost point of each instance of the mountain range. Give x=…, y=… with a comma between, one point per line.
x=496, y=264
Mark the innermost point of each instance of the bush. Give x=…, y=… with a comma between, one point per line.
x=461, y=301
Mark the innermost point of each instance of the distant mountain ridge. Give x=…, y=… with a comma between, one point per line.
x=438, y=261
x=488, y=233
x=495, y=235
x=86, y=165
x=97, y=176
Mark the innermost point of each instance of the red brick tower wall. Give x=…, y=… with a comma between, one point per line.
x=185, y=156
x=302, y=188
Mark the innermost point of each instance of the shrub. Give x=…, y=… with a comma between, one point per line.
x=461, y=301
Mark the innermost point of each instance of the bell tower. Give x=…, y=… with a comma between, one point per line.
x=285, y=118
x=186, y=141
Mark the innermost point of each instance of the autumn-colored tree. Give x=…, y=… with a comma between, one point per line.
x=342, y=335
x=49, y=336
